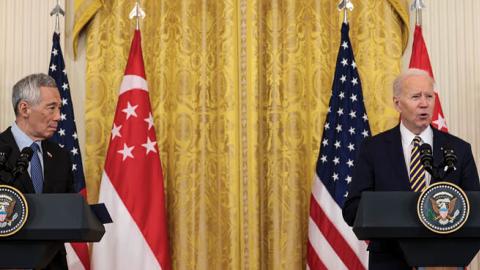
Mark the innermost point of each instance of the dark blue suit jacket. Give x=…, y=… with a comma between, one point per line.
x=380, y=165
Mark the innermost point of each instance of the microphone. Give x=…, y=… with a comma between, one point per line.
x=22, y=162
x=4, y=153
x=426, y=157
x=449, y=158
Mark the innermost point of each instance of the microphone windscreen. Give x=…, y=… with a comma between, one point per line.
x=425, y=149
x=27, y=152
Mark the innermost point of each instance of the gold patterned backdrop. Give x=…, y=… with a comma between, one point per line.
x=239, y=89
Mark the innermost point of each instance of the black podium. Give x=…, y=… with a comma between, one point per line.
x=53, y=219
x=393, y=215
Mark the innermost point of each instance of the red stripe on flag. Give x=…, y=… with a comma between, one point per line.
x=313, y=260
x=333, y=236
x=82, y=248
x=82, y=252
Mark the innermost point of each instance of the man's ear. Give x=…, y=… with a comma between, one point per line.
x=396, y=103
x=23, y=109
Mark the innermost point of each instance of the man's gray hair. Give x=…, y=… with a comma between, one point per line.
x=397, y=83
x=28, y=89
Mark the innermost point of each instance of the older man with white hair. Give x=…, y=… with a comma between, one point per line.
x=390, y=160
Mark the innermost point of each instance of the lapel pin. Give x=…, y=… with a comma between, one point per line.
x=49, y=154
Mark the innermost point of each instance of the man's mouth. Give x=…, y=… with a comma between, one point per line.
x=423, y=116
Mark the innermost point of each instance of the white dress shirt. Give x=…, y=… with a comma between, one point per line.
x=407, y=145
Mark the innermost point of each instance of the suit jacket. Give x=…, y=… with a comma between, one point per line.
x=58, y=177
x=380, y=165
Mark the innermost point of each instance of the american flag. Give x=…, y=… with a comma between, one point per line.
x=67, y=137
x=420, y=59
x=331, y=242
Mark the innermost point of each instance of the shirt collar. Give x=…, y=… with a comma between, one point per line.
x=407, y=135
x=22, y=139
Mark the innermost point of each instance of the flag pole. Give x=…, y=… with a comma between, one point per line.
x=343, y=6
x=417, y=6
x=137, y=13
x=57, y=11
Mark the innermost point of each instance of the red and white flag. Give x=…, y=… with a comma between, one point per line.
x=132, y=181
x=420, y=60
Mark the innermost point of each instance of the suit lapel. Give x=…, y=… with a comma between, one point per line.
x=48, y=166
x=439, y=141
x=24, y=180
x=396, y=154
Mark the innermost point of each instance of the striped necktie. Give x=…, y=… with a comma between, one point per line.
x=417, y=172
x=36, y=171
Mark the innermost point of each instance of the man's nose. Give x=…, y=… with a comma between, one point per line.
x=423, y=101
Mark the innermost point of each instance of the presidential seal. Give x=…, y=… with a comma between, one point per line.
x=443, y=207
x=13, y=210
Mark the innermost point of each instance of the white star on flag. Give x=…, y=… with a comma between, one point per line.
x=126, y=151
x=353, y=114
x=116, y=131
x=130, y=110
x=325, y=142
x=354, y=81
x=440, y=122
x=348, y=179
x=149, y=120
x=336, y=160
x=350, y=163
x=365, y=117
x=150, y=146
x=337, y=144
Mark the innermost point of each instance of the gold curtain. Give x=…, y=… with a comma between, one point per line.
x=240, y=90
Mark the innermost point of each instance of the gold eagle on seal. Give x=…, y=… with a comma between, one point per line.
x=443, y=208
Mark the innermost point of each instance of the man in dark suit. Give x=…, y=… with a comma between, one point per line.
x=36, y=102
x=383, y=161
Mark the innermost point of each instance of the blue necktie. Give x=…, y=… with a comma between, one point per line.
x=36, y=171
